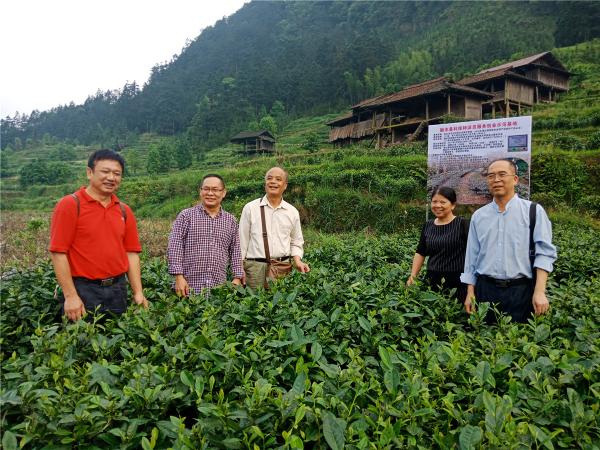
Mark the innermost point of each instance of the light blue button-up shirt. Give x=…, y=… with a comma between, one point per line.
x=498, y=243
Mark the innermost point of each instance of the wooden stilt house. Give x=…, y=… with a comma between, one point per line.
x=394, y=118
x=521, y=83
x=255, y=141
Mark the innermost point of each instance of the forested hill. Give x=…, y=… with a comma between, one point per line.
x=293, y=58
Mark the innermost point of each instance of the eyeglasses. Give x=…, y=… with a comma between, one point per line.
x=213, y=190
x=492, y=176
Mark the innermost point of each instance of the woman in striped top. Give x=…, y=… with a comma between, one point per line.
x=444, y=241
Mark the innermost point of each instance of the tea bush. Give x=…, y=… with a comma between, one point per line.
x=342, y=357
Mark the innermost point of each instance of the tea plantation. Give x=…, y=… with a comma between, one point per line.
x=343, y=357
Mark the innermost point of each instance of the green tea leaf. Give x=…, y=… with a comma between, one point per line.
x=541, y=437
x=542, y=331
x=232, y=443
x=296, y=442
x=469, y=437
x=187, y=378
x=316, y=351
x=9, y=441
x=386, y=359
x=335, y=314
x=146, y=444
x=391, y=379
x=333, y=430
x=364, y=324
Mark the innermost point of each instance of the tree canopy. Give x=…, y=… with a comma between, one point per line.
x=293, y=58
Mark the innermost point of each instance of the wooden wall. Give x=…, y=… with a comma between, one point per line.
x=457, y=106
x=519, y=92
x=473, y=109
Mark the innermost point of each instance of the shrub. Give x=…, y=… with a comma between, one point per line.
x=311, y=142
x=410, y=148
x=590, y=203
x=566, y=141
x=547, y=199
x=559, y=172
x=403, y=188
x=593, y=141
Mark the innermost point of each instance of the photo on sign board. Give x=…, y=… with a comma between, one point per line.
x=517, y=143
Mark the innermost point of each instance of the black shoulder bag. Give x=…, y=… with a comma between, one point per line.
x=532, y=218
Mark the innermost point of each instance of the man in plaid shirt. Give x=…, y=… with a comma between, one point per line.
x=204, y=240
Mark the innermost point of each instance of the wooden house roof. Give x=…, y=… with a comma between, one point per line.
x=341, y=119
x=242, y=136
x=548, y=57
x=437, y=85
x=499, y=73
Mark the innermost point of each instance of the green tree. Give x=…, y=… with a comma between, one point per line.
x=64, y=152
x=133, y=161
x=4, y=164
x=159, y=159
x=269, y=124
x=278, y=113
x=42, y=172
x=311, y=142
x=183, y=154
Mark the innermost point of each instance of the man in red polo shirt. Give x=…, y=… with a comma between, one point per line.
x=94, y=243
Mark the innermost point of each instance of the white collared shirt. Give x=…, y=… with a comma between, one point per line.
x=283, y=230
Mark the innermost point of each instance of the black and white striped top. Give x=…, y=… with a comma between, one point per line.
x=445, y=245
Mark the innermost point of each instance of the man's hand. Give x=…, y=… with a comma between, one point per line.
x=302, y=267
x=540, y=303
x=140, y=299
x=539, y=300
x=469, y=307
x=236, y=281
x=182, y=288
x=74, y=308
x=410, y=281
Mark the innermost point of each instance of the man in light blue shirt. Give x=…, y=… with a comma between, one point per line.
x=497, y=265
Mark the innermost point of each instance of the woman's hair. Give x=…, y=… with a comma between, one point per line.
x=446, y=192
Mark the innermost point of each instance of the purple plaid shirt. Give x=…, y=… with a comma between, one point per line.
x=201, y=247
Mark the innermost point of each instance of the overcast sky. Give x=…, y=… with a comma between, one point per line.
x=57, y=51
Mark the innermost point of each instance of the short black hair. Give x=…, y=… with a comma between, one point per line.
x=105, y=153
x=211, y=175
x=511, y=161
x=446, y=192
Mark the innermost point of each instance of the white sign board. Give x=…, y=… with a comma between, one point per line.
x=458, y=154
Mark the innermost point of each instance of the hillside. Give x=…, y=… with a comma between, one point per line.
x=380, y=189
x=292, y=59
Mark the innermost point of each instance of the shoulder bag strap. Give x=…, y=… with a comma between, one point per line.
x=264, y=234
x=76, y=202
x=532, y=219
x=121, y=205
x=123, y=211
x=465, y=229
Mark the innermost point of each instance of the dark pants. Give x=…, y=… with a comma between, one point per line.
x=444, y=281
x=513, y=300
x=100, y=299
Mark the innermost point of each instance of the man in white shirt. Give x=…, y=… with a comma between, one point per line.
x=284, y=234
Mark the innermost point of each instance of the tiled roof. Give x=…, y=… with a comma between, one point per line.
x=428, y=87
x=253, y=134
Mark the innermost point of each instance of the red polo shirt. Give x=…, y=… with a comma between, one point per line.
x=96, y=242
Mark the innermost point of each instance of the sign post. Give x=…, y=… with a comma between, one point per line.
x=459, y=153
